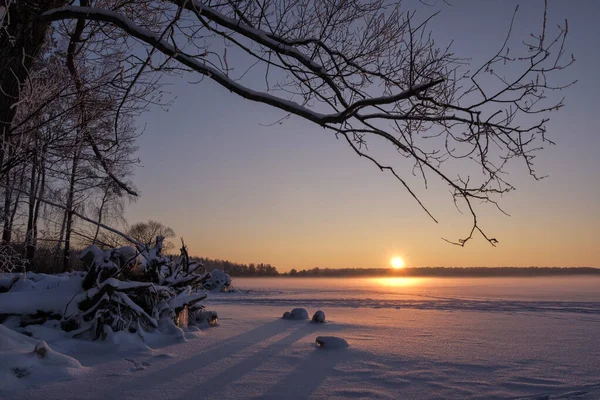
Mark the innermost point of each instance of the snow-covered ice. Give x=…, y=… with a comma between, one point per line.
x=478, y=339
x=26, y=361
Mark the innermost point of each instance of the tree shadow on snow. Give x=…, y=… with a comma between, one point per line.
x=224, y=349
x=299, y=383
x=216, y=384
x=306, y=378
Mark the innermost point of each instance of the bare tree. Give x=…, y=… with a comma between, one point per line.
x=67, y=108
x=147, y=232
x=361, y=69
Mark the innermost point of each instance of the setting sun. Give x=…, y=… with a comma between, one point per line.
x=397, y=262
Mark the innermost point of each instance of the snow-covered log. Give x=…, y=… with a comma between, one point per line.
x=124, y=289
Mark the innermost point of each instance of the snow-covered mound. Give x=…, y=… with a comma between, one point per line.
x=219, y=281
x=296, y=314
x=25, y=361
x=52, y=293
x=331, y=342
x=11, y=341
x=319, y=316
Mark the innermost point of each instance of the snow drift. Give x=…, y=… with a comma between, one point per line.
x=25, y=361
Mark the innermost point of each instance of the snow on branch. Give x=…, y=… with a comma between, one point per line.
x=369, y=69
x=98, y=14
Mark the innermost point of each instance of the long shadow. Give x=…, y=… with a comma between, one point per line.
x=225, y=349
x=306, y=378
x=214, y=385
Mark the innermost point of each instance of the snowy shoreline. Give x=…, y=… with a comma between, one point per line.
x=420, y=354
x=427, y=340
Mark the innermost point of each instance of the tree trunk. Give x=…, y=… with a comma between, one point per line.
x=32, y=195
x=59, y=243
x=100, y=212
x=69, y=215
x=15, y=206
x=20, y=41
x=8, y=204
x=81, y=133
x=6, y=228
x=41, y=187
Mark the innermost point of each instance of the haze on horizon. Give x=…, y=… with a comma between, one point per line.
x=293, y=196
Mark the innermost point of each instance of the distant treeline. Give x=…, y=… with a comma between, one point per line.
x=236, y=269
x=444, y=272
x=250, y=270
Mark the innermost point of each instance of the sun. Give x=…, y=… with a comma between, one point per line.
x=397, y=262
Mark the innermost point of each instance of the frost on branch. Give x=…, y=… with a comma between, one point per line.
x=370, y=71
x=10, y=260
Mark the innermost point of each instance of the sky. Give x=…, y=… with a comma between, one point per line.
x=293, y=196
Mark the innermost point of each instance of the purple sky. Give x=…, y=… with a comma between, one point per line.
x=294, y=196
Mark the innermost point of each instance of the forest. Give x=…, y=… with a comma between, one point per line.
x=443, y=272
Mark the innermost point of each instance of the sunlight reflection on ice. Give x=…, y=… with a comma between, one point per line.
x=398, y=281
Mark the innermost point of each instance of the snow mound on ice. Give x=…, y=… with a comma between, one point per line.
x=25, y=361
x=319, y=316
x=331, y=342
x=296, y=314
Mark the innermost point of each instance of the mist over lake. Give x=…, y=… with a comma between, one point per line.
x=350, y=291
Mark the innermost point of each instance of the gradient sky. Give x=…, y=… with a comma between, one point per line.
x=294, y=196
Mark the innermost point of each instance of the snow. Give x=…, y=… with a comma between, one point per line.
x=256, y=35
x=296, y=314
x=218, y=281
x=14, y=341
x=186, y=297
x=52, y=293
x=22, y=367
x=541, y=347
x=330, y=342
x=6, y=282
x=127, y=301
x=319, y=316
x=194, y=63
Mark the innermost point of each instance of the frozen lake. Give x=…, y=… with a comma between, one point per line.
x=565, y=294
x=429, y=338
x=463, y=338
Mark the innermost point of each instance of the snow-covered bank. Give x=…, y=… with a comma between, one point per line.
x=25, y=362
x=125, y=289
x=412, y=354
x=127, y=300
x=484, y=340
